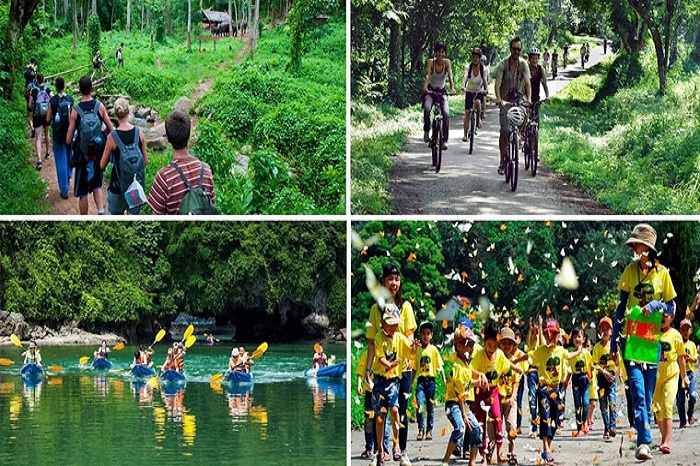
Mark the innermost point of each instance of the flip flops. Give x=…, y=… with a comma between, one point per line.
x=665, y=449
x=547, y=458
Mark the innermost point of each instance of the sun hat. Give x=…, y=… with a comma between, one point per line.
x=507, y=334
x=234, y=352
x=643, y=234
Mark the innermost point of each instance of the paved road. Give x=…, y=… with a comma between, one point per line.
x=469, y=184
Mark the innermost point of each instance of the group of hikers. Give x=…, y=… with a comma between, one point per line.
x=492, y=370
x=86, y=140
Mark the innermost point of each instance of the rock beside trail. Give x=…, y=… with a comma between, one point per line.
x=155, y=137
x=184, y=104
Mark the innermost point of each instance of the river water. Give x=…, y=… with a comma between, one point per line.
x=80, y=417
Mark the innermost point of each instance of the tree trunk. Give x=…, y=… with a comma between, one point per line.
x=19, y=15
x=235, y=13
x=169, y=16
x=128, y=16
x=394, y=89
x=255, y=27
x=75, y=28
x=189, y=24
x=143, y=13
x=250, y=20
x=94, y=7
x=230, y=20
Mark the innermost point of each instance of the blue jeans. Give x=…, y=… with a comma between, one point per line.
x=688, y=392
x=425, y=395
x=116, y=204
x=385, y=394
x=404, y=393
x=580, y=385
x=642, y=381
x=521, y=392
x=532, y=382
x=61, y=154
x=454, y=415
x=549, y=402
x=607, y=397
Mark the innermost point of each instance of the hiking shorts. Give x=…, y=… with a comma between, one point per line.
x=39, y=121
x=83, y=187
x=116, y=204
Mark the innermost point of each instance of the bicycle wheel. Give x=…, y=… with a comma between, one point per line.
x=534, y=148
x=434, y=144
x=514, y=161
x=506, y=163
x=472, y=131
x=526, y=150
x=438, y=159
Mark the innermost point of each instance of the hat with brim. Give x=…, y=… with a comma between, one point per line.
x=465, y=322
x=465, y=335
x=390, y=268
x=391, y=315
x=426, y=324
x=507, y=333
x=643, y=234
x=605, y=321
x=686, y=322
x=552, y=327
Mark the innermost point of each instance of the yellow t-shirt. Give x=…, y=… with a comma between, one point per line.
x=601, y=356
x=549, y=363
x=407, y=326
x=510, y=377
x=658, y=277
x=692, y=351
x=492, y=369
x=390, y=348
x=428, y=361
x=582, y=364
x=671, y=347
x=361, y=369
x=460, y=381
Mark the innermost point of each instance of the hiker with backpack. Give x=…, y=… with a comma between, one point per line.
x=38, y=106
x=120, y=56
x=186, y=185
x=58, y=117
x=87, y=118
x=97, y=65
x=126, y=148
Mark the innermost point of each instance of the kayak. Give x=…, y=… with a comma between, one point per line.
x=336, y=371
x=32, y=373
x=141, y=370
x=238, y=377
x=173, y=377
x=102, y=364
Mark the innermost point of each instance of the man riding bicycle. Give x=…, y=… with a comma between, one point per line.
x=438, y=70
x=512, y=83
x=473, y=83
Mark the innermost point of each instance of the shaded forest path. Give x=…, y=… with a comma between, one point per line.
x=69, y=206
x=470, y=185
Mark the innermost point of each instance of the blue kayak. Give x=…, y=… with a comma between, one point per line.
x=102, y=364
x=336, y=371
x=141, y=370
x=173, y=377
x=238, y=377
x=32, y=373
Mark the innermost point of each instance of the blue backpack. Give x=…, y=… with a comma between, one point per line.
x=131, y=162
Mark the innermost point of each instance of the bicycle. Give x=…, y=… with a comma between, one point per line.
x=532, y=138
x=554, y=70
x=471, y=132
x=516, y=117
x=437, y=139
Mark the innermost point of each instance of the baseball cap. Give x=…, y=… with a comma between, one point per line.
x=605, y=320
x=391, y=315
x=507, y=334
x=686, y=322
x=426, y=324
x=390, y=268
x=465, y=322
x=552, y=326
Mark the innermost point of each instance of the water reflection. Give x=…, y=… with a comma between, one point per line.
x=31, y=393
x=143, y=392
x=101, y=385
x=325, y=391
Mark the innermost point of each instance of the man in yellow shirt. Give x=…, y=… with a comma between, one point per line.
x=428, y=364
x=691, y=354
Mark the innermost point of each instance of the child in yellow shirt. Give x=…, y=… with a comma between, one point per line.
x=363, y=387
x=605, y=366
x=508, y=390
x=691, y=354
x=427, y=365
x=671, y=360
x=581, y=381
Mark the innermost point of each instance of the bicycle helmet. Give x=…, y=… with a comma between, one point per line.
x=516, y=116
x=534, y=51
x=476, y=51
x=483, y=58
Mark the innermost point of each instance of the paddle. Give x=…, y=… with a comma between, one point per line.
x=215, y=339
x=15, y=340
x=191, y=340
x=318, y=348
x=189, y=331
x=159, y=336
x=56, y=368
x=6, y=362
x=84, y=360
x=119, y=346
x=259, y=351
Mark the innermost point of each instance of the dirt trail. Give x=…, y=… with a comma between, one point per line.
x=469, y=184
x=69, y=206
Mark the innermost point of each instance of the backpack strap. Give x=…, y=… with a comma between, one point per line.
x=79, y=110
x=201, y=176
x=182, y=175
x=118, y=140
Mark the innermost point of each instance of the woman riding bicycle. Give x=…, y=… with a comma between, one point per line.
x=537, y=75
x=438, y=70
x=473, y=83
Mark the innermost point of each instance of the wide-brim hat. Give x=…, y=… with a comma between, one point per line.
x=643, y=234
x=507, y=333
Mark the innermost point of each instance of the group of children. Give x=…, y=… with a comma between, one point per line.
x=484, y=390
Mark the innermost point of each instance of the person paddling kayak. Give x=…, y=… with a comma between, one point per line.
x=143, y=357
x=320, y=359
x=175, y=359
x=103, y=351
x=32, y=355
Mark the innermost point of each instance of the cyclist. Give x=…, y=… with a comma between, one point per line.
x=438, y=71
x=565, y=53
x=584, y=53
x=546, y=59
x=555, y=63
x=473, y=82
x=512, y=83
x=537, y=75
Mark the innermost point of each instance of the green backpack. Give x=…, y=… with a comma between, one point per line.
x=195, y=201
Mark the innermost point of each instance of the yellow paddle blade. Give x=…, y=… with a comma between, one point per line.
x=55, y=381
x=119, y=346
x=153, y=382
x=56, y=368
x=188, y=332
x=159, y=335
x=84, y=360
x=215, y=378
x=15, y=340
x=6, y=362
x=259, y=351
x=318, y=348
x=190, y=341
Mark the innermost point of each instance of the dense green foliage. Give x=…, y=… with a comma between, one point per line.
x=94, y=32
x=474, y=260
x=301, y=20
x=109, y=272
x=633, y=151
x=290, y=128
